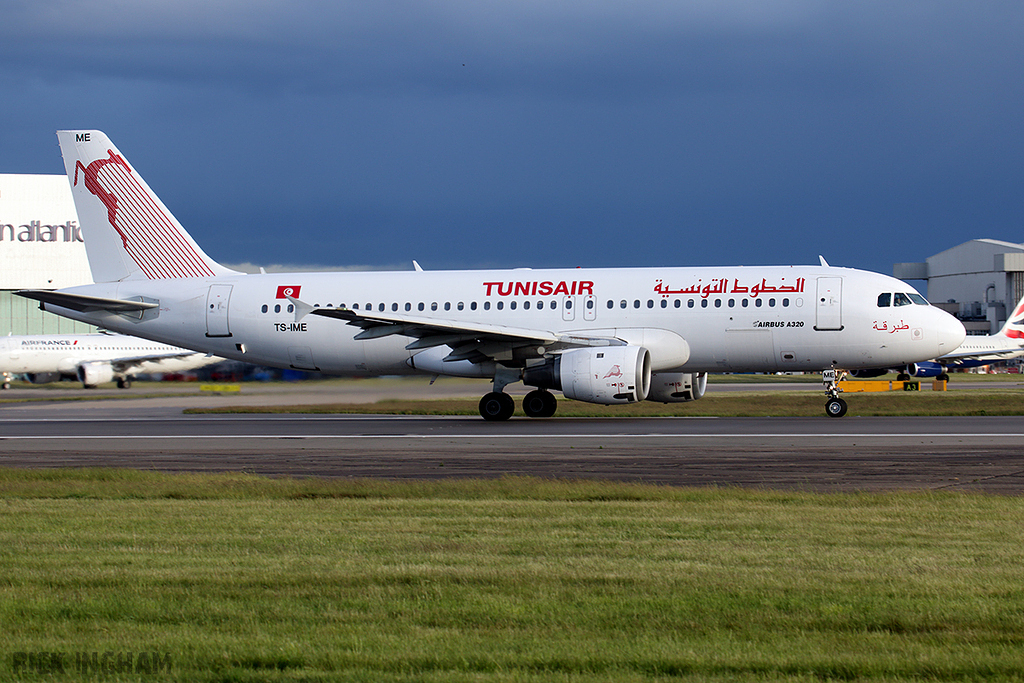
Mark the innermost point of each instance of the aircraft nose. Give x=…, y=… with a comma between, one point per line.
x=950, y=332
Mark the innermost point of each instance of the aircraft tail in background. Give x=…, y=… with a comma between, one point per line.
x=129, y=233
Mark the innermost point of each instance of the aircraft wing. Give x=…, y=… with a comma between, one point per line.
x=988, y=354
x=129, y=363
x=469, y=341
x=82, y=303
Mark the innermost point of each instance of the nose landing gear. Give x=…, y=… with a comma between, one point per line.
x=834, y=406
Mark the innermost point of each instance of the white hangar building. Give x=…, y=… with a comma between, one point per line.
x=41, y=247
x=978, y=281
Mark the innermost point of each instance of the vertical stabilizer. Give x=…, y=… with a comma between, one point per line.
x=129, y=233
x=1014, y=326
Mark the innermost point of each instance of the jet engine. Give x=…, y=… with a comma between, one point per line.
x=925, y=369
x=677, y=387
x=868, y=373
x=605, y=375
x=43, y=377
x=93, y=374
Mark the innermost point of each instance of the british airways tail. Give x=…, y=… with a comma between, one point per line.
x=1014, y=325
x=129, y=233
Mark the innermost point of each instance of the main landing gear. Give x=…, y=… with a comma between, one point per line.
x=834, y=406
x=498, y=405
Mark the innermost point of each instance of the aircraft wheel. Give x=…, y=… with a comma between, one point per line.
x=540, y=403
x=497, y=406
x=7, y=385
x=903, y=377
x=125, y=383
x=835, y=407
x=943, y=377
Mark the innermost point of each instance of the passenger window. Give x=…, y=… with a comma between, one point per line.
x=394, y=307
x=718, y=303
x=526, y=305
x=420, y=306
x=265, y=308
x=758, y=302
x=785, y=303
x=636, y=303
x=291, y=308
x=650, y=303
x=277, y=308
x=746, y=302
x=472, y=306
x=433, y=305
x=461, y=306
x=611, y=304
x=590, y=304
x=487, y=305
x=501, y=305
x=884, y=300
x=568, y=304
x=622, y=304
x=689, y=303
x=677, y=303
x=901, y=299
x=771, y=302
x=408, y=306
x=380, y=306
x=447, y=305
x=512, y=305
x=703, y=303
x=664, y=303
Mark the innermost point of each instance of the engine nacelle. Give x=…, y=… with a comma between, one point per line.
x=93, y=374
x=607, y=375
x=925, y=369
x=43, y=377
x=868, y=373
x=677, y=387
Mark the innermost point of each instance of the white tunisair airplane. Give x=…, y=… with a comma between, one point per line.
x=1006, y=344
x=92, y=358
x=607, y=336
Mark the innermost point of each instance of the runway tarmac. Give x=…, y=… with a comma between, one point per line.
x=815, y=454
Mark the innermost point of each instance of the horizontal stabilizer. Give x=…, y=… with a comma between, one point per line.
x=82, y=303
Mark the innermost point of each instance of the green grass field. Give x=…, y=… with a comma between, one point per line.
x=242, y=578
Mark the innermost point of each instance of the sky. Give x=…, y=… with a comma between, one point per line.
x=486, y=133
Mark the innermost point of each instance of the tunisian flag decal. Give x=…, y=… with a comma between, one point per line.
x=285, y=291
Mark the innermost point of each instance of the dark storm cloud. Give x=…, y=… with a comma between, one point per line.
x=528, y=133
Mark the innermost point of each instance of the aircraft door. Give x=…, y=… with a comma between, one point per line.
x=217, y=311
x=589, y=307
x=829, y=304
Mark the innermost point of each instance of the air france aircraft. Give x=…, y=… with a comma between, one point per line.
x=976, y=350
x=607, y=336
x=92, y=358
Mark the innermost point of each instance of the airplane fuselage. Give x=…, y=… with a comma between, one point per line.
x=733, y=319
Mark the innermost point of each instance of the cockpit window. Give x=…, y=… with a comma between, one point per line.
x=901, y=299
x=884, y=300
x=918, y=299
